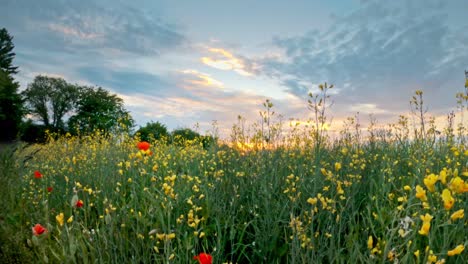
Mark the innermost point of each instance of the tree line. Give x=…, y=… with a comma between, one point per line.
x=55, y=105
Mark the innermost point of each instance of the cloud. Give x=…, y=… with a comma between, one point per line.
x=70, y=25
x=378, y=54
x=367, y=109
x=224, y=60
x=70, y=31
x=196, y=78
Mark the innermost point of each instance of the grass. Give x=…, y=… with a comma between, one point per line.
x=303, y=201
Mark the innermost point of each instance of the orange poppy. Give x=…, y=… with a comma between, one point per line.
x=143, y=145
x=38, y=229
x=204, y=258
x=37, y=175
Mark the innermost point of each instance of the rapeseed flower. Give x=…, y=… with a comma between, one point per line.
x=337, y=166
x=432, y=258
x=457, y=185
x=430, y=182
x=448, y=199
x=60, y=218
x=426, y=224
x=458, y=214
x=456, y=251
x=443, y=176
x=421, y=193
x=370, y=242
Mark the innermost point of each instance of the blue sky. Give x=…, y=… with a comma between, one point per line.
x=187, y=62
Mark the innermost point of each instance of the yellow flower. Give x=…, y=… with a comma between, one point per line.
x=426, y=218
x=457, y=185
x=370, y=242
x=448, y=199
x=337, y=166
x=407, y=188
x=70, y=219
x=323, y=171
x=312, y=201
x=426, y=224
x=456, y=251
x=421, y=193
x=425, y=229
x=430, y=181
x=60, y=218
x=458, y=214
x=432, y=258
x=416, y=253
x=391, y=255
x=443, y=176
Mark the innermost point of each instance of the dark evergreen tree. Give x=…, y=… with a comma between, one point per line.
x=11, y=104
x=6, y=53
x=11, y=108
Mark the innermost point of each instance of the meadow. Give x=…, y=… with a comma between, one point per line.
x=394, y=195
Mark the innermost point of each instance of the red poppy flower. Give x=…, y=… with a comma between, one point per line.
x=38, y=229
x=204, y=258
x=37, y=175
x=79, y=203
x=49, y=189
x=143, y=145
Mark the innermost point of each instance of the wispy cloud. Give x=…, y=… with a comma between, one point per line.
x=65, y=26
x=196, y=78
x=224, y=60
x=378, y=54
x=73, y=32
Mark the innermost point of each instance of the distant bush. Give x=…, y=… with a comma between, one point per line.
x=33, y=133
x=153, y=131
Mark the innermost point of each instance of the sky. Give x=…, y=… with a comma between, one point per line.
x=189, y=63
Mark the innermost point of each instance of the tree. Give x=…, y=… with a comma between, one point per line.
x=11, y=104
x=48, y=95
x=153, y=130
x=99, y=109
x=6, y=53
x=180, y=137
x=11, y=108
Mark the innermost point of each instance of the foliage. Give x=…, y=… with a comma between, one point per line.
x=33, y=133
x=50, y=99
x=183, y=134
x=11, y=108
x=12, y=247
x=6, y=53
x=11, y=104
x=98, y=109
x=153, y=131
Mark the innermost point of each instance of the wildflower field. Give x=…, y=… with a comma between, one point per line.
x=300, y=198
